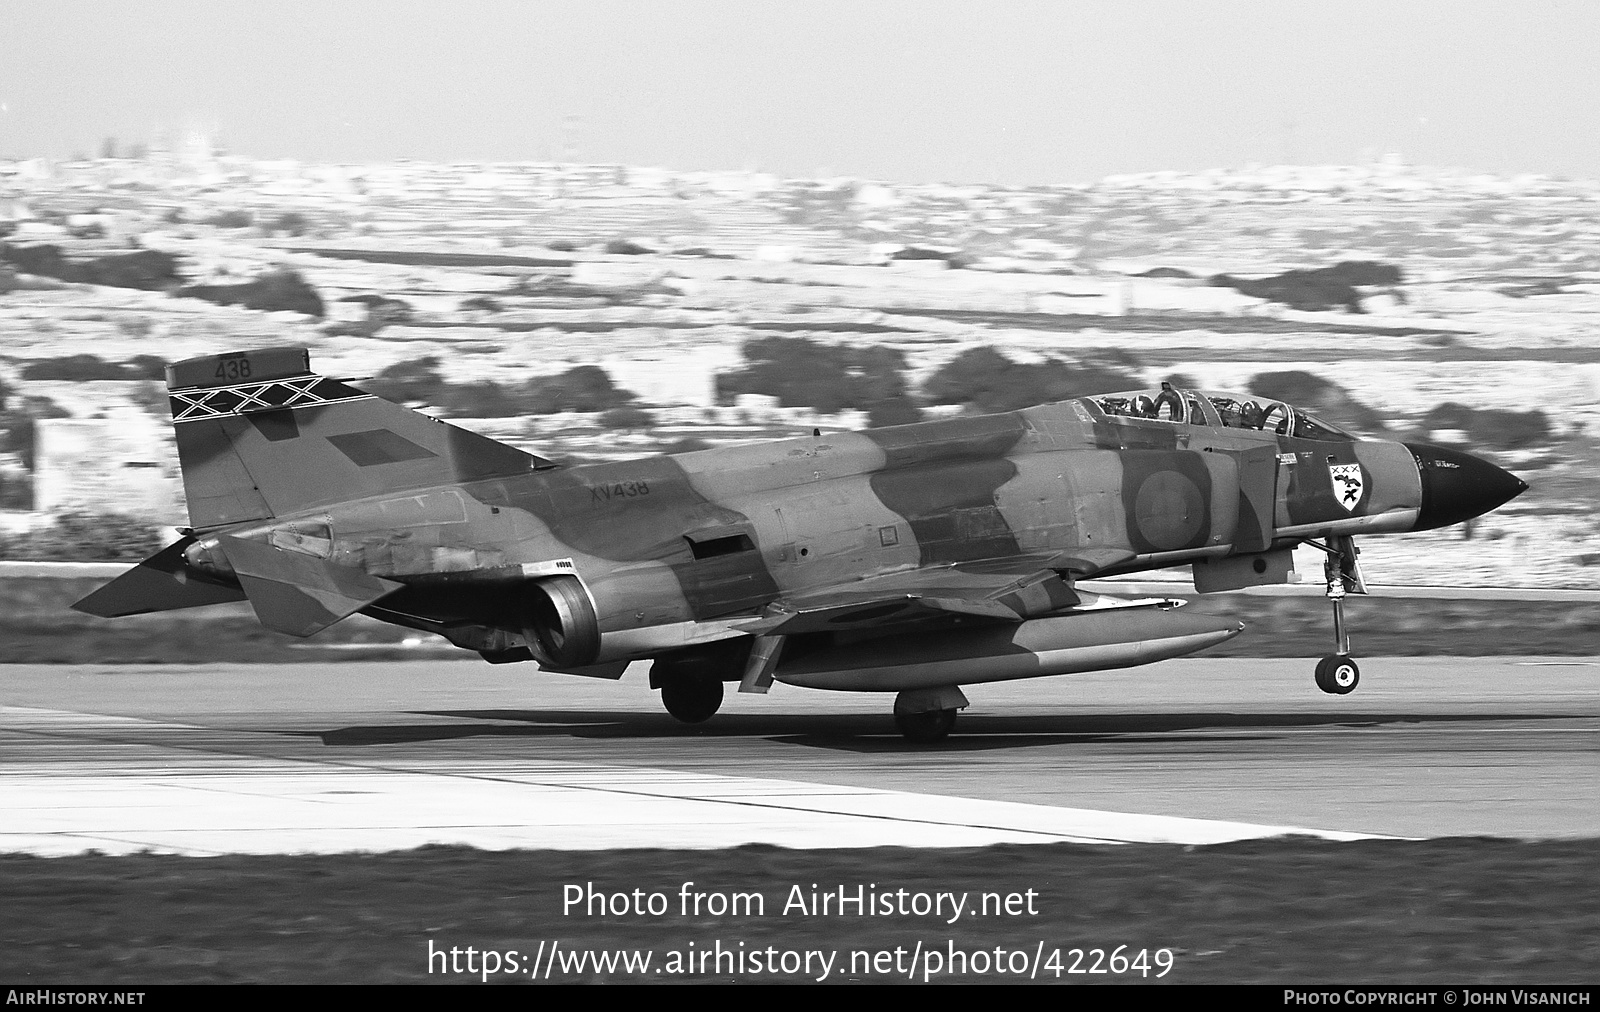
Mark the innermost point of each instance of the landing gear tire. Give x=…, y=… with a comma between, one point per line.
x=1338, y=674
x=692, y=700
x=926, y=727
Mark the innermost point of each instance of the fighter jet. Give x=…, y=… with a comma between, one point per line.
x=913, y=559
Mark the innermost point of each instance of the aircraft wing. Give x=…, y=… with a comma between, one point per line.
x=1007, y=590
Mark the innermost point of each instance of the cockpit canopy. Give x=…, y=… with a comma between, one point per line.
x=1219, y=410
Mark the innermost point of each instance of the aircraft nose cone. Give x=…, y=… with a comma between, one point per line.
x=1457, y=486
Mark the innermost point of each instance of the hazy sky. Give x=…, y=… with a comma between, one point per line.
x=995, y=91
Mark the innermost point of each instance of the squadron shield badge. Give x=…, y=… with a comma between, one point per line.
x=1347, y=485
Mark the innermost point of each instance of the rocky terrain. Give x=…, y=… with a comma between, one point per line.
x=1418, y=303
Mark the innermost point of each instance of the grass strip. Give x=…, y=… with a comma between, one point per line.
x=1292, y=910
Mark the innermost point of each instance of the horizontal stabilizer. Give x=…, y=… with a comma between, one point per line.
x=299, y=594
x=159, y=583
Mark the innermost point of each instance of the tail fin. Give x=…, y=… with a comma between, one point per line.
x=260, y=435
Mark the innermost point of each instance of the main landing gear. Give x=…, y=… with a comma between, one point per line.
x=926, y=716
x=1338, y=673
x=926, y=727
x=692, y=700
x=691, y=686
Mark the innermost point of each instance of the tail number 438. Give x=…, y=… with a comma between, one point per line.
x=618, y=490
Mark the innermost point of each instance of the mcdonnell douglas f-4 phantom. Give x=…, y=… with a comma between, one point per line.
x=912, y=559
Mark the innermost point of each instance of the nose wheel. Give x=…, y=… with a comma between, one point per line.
x=1338, y=673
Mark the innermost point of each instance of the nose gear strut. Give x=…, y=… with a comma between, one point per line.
x=1338, y=673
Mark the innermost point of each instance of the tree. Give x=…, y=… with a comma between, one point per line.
x=87, y=537
x=972, y=375
x=1316, y=290
x=1509, y=430
x=1293, y=385
x=481, y=399
x=991, y=382
x=416, y=379
x=292, y=222
x=79, y=368
x=151, y=367
x=152, y=396
x=281, y=290
x=893, y=411
x=627, y=417
x=581, y=388
x=150, y=270
x=230, y=219
x=381, y=312
x=828, y=378
x=1501, y=429
x=1312, y=392
x=688, y=444
x=1449, y=415
x=626, y=247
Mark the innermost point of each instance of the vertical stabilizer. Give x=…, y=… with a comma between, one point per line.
x=260, y=435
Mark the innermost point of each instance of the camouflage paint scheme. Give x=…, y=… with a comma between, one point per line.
x=316, y=500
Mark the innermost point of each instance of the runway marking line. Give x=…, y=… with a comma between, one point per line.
x=850, y=816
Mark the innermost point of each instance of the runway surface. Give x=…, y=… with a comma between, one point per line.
x=322, y=758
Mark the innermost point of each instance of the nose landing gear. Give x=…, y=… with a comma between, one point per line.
x=1338, y=673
